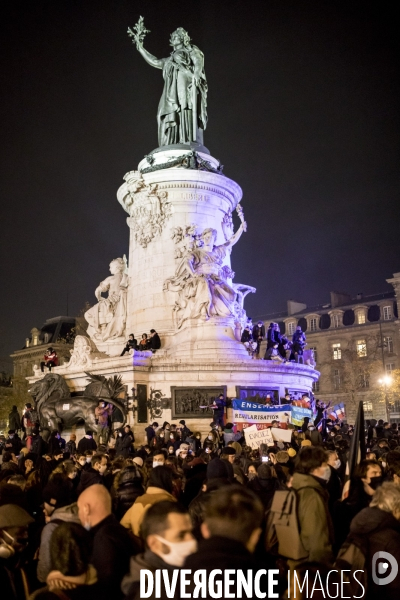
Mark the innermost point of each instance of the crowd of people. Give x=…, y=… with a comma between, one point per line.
x=147, y=342
x=81, y=520
x=279, y=347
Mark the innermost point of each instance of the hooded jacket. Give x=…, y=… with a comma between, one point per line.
x=68, y=514
x=131, y=582
x=316, y=529
x=134, y=516
x=381, y=532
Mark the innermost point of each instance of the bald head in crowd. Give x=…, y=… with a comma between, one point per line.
x=94, y=505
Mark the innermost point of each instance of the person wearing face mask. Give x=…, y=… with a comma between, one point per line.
x=334, y=485
x=313, y=435
x=310, y=478
x=160, y=487
x=377, y=529
x=87, y=442
x=123, y=443
x=103, y=413
x=366, y=479
x=166, y=531
x=14, y=523
x=57, y=508
x=94, y=474
x=112, y=545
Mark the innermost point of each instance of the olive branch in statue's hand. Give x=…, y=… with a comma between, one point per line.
x=139, y=32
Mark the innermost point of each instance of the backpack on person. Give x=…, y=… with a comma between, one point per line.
x=283, y=531
x=34, y=416
x=352, y=557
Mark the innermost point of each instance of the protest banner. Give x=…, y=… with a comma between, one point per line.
x=251, y=412
x=281, y=435
x=255, y=437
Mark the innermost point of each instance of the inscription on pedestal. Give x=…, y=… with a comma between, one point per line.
x=195, y=196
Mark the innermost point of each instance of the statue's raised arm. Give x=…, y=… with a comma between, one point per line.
x=182, y=111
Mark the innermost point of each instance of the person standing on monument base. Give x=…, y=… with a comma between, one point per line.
x=258, y=335
x=102, y=413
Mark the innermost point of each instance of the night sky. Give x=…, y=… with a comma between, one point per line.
x=303, y=112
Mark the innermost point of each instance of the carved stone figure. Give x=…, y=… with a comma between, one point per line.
x=56, y=408
x=107, y=319
x=147, y=206
x=201, y=279
x=241, y=293
x=182, y=111
x=80, y=354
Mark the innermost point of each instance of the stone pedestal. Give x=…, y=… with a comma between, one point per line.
x=162, y=204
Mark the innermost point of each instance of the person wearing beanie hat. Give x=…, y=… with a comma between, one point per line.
x=229, y=453
x=282, y=457
x=228, y=434
x=138, y=460
x=57, y=507
x=292, y=452
x=220, y=470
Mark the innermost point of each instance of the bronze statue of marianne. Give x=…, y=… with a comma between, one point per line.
x=182, y=112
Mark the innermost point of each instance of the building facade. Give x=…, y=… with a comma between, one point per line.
x=357, y=345
x=58, y=332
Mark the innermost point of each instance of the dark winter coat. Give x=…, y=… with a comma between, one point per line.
x=14, y=444
x=129, y=487
x=155, y=342
x=112, y=549
x=88, y=478
x=14, y=420
x=150, y=433
x=86, y=444
x=264, y=489
x=381, y=532
x=123, y=445
x=223, y=553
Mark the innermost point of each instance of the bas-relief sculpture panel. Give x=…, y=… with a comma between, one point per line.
x=202, y=280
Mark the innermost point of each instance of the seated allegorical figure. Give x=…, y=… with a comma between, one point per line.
x=107, y=318
x=200, y=280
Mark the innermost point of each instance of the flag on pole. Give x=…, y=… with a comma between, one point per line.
x=357, y=451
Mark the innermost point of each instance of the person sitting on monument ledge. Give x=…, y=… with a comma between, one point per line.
x=273, y=354
x=131, y=344
x=154, y=342
x=144, y=342
x=50, y=360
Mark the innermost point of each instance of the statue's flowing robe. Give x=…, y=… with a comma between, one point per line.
x=109, y=311
x=174, y=116
x=206, y=295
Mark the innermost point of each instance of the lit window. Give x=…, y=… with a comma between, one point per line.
x=360, y=318
x=364, y=380
x=388, y=344
x=389, y=367
x=361, y=348
x=368, y=410
x=337, y=351
x=315, y=386
x=336, y=379
x=335, y=321
x=315, y=353
x=313, y=324
x=291, y=327
x=387, y=313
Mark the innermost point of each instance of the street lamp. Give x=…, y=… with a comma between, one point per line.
x=386, y=381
